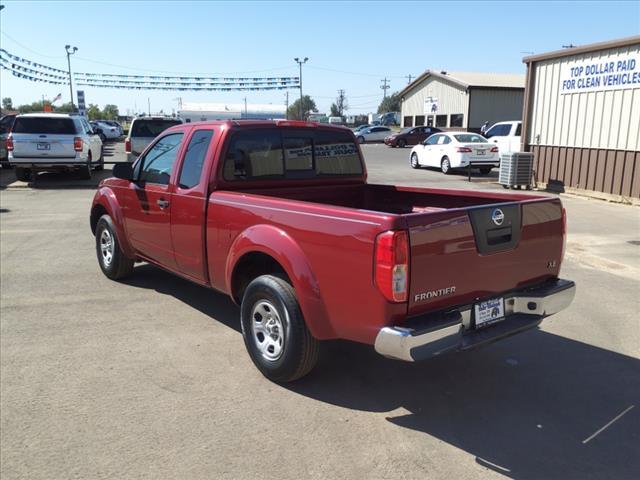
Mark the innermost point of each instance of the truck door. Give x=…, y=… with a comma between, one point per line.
x=189, y=207
x=148, y=202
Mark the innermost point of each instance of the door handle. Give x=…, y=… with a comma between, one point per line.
x=162, y=203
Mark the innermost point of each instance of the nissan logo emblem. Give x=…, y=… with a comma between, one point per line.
x=497, y=216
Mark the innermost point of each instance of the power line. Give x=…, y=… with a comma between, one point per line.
x=352, y=73
x=409, y=77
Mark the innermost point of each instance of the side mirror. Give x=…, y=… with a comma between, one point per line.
x=123, y=171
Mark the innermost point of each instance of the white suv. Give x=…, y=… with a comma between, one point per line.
x=53, y=141
x=142, y=131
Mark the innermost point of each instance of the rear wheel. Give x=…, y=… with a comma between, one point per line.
x=85, y=172
x=274, y=331
x=100, y=165
x=23, y=174
x=402, y=143
x=113, y=263
x=485, y=170
x=414, y=160
x=445, y=165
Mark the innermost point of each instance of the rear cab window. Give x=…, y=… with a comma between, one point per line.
x=194, y=159
x=45, y=125
x=279, y=153
x=151, y=127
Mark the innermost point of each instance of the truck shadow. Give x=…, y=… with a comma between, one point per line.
x=526, y=407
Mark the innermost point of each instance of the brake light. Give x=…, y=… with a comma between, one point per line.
x=10, y=144
x=392, y=265
x=127, y=145
x=463, y=150
x=494, y=150
x=77, y=144
x=564, y=234
x=295, y=123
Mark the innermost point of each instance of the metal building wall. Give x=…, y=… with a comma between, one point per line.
x=584, y=140
x=451, y=99
x=494, y=105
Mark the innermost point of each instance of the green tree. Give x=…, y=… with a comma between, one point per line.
x=64, y=108
x=308, y=105
x=94, y=112
x=390, y=104
x=7, y=103
x=31, y=107
x=110, y=112
x=334, y=110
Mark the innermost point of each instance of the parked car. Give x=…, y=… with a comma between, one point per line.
x=143, y=130
x=98, y=131
x=278, y=215
x=53, y=142
x=410, y=136
x=113, y=123
x=506, y=135
x=448, y=151
x=6, y=123
x=360, y=127
x=110, y=132
x=373, y=134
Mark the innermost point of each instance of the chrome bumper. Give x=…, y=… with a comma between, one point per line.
x=434, y=334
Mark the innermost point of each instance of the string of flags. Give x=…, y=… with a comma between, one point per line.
x=37, y=72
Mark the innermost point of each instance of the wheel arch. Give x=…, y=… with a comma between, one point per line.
x=106, y=202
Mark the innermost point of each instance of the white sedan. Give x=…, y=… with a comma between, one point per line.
x=373, y=134
x=455, y=150
x=110, y=132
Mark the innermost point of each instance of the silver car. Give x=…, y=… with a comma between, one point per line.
x=52, y=142
x=143, y=130
x=373, y=134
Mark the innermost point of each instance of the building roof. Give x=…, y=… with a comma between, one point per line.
x=231, y=107
x=592, y=47
x=471, y=79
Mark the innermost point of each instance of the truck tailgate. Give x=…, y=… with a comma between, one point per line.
x=462, y=255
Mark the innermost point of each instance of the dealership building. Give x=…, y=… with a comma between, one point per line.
x=462, y=100
x=582, y=117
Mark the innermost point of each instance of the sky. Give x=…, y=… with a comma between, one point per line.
x=350, y=45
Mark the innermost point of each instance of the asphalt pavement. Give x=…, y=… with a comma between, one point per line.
x=149, y=378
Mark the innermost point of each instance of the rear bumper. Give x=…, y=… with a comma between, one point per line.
x=434, y=334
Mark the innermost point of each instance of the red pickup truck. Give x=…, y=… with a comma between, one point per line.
x=278, y=215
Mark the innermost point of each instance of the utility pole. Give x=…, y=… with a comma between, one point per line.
x=149, y=105
x=286, y=112
x=409, y=77
x=43, y=102
x=245, y=107
x=341, y=102
x=385, y=86
x=300, y=62
x=70, y=51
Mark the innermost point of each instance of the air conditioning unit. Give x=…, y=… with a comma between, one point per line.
x=516, y=169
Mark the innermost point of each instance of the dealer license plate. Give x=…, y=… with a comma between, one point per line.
x=44, y=146
x=480, y=152
x=489, y=312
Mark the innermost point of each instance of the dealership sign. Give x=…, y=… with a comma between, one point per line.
x=430, y=105
x=597, y=75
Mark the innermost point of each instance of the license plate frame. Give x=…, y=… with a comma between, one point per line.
x=44, y=146
x=488, y=312
x=481, y=153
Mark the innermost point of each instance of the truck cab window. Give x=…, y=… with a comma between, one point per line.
x=157, y=164
x=194, y=158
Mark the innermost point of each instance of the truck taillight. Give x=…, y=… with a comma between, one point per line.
x=127, y=145
x=392, y=265
x=10, y=144
x=494, y=150
x=564, y=233
x=77, y=144
x=463, y=150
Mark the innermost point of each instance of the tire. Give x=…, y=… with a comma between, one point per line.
x=100, y=164
x=6, y=164
x=361, y=139
x=113, y=263
x=485, y=171
x=402, y=143
x=445, y=165
x=287, y=351
x=23, y=174
x=414, y=160
x=85, y=172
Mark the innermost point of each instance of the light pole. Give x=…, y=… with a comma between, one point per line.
x=300, y=62
x=70, y=51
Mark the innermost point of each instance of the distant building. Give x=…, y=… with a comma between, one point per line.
x=462, y=100
x=582, y=117
x=197, y=112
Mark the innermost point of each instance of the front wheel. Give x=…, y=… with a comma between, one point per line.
x=274, y=331
x=414, y=161
x=445, y=166
x=113, y=262
x=402, y=143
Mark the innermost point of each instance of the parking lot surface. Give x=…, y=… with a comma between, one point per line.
x=149, y=378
